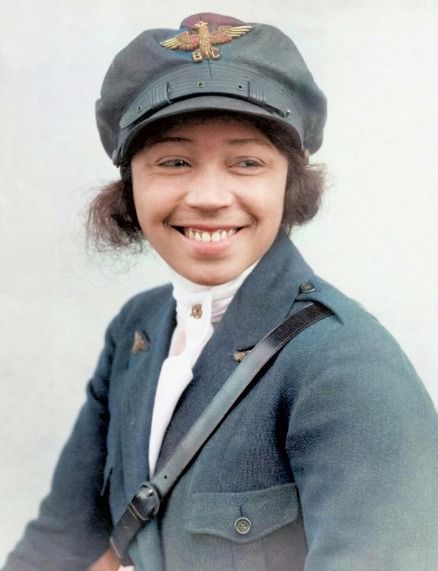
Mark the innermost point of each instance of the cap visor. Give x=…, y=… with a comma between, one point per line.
x=213, y=103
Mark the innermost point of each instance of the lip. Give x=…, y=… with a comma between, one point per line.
x=211, y=248
x=208, y=227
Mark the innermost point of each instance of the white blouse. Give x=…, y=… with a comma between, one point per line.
x=198, y=309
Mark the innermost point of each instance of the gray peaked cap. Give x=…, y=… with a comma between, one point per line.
x=212, y=62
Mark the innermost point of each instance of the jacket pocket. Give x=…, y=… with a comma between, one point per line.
x=242, y=517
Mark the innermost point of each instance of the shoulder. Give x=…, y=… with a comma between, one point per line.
x=148, y=302
x=350, y=319
x=144, y=306
x=351, y=356
x=140, y=313
x=147, y=307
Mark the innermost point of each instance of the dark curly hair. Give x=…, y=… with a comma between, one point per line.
x=112, y=222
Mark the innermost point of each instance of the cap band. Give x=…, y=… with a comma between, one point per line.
x=188, y=82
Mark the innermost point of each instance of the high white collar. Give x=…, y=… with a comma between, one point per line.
x=214, y=299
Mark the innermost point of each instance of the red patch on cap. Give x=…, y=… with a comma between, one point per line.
x=213, y=19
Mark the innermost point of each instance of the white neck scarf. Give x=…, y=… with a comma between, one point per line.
x=198, y=308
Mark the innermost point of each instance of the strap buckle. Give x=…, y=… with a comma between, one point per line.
x=145, y=504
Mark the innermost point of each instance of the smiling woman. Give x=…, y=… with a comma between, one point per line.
x=113, y=223
x=209, y=198
x=327, y=463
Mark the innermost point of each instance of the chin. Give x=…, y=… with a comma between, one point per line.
x=208, y=280
x=211, y=277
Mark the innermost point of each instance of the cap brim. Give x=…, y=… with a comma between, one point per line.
x=213, y=103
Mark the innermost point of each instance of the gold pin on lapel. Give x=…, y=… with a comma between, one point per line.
x=200, y=41
x=140, y=343
x=238, y=356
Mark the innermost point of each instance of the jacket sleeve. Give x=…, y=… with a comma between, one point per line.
x=362, y=444
x=73, y=525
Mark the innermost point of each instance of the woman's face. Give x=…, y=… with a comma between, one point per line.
x=209, y=197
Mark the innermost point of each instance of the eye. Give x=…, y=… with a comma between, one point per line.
x=248, y=163
x=174, y=163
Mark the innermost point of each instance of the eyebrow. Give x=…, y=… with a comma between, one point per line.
x=166, y=139
x=233, y=142
x=249, y=140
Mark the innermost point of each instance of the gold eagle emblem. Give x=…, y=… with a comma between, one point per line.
x=201, y=42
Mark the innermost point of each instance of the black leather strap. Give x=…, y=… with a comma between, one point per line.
x=146, y=502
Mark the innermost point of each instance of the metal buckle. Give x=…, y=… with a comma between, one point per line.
x=145, y=504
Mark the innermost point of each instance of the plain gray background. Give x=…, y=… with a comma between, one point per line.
x=375, y=236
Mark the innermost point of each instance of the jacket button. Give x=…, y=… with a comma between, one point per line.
x=197, y=311
x=307, y=287
x=242, y=525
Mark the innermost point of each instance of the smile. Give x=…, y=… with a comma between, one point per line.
x=206, y=236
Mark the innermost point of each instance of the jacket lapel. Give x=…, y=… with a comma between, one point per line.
x=263, y=301
x=140, y=386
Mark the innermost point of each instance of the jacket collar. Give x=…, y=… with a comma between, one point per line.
x=264, y=300
x=266, y=297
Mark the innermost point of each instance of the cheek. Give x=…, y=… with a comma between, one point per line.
x=146, y=201
x=153, y=207
x=140, y=203
x=144, y=207
x=272, y=202
x=280, y=195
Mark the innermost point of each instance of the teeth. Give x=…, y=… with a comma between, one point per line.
x=202, y=236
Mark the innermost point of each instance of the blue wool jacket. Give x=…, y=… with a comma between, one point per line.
x=330, y=459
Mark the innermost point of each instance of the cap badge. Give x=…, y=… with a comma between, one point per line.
x=200, y=41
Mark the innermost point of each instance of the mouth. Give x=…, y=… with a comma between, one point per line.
x=203, y=235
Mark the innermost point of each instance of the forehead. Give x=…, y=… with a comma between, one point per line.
x=219, y=124
x=222, y=130
x=210, y=127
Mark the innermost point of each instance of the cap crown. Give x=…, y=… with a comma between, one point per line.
x=255, y=68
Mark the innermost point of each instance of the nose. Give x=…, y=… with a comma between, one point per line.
x=209, y=190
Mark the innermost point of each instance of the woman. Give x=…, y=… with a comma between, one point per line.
x=327, y=462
